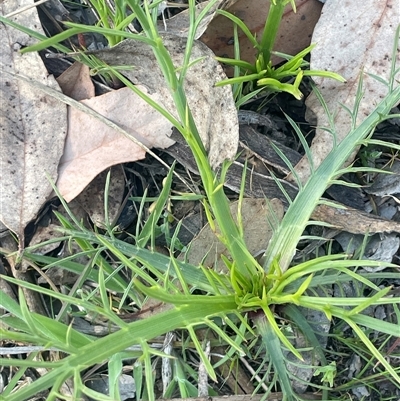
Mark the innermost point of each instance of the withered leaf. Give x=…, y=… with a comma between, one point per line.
x=351, y=40
x=213, y=108
x=33, y=125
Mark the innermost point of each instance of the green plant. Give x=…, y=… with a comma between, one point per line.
x=262, y=74
x=112, y=15
x=113, y=24
x=249, y=287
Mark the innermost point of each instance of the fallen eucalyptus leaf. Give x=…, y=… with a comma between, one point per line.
x=350, y=40
x=92, y=198
x=45, y=233
x=213, y=108
x=33, y=125
x=380, y=247
x=76, y=82
x=92, y=146
x=387, y=184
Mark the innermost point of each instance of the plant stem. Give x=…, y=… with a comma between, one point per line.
x=215, y=194
x=230, y=235
x=270, y=30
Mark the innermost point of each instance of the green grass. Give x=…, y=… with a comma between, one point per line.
x=251, y=309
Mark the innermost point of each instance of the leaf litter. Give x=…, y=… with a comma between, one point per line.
x=76, y=82
x=205, y=134
x=87, y=155
x=213, y=108
x=92, y=146
x=33, y=127
x=179, y=24
x=351, y=40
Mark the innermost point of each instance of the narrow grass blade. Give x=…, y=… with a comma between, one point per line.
x=148, y=228
x=134, y=333
x=375, y=352
x=273, y=346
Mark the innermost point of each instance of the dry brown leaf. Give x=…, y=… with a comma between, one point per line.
x=33, y=125
x=92, y=146
x=76, y=82
x=293, y=36
x=258, y=217
x=349, y=39
x=213, y=108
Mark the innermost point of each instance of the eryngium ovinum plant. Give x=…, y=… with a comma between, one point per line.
x=222, y=302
